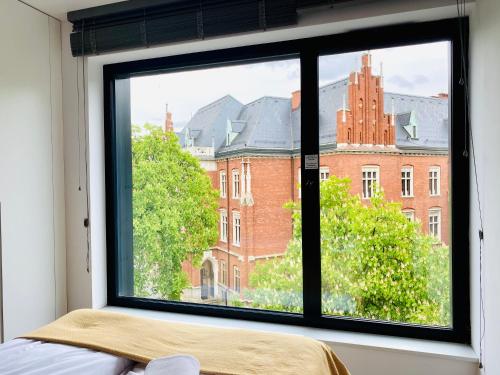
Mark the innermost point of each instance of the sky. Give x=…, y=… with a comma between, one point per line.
x=417, y=70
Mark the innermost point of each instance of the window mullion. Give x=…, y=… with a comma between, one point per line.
x=311, y=243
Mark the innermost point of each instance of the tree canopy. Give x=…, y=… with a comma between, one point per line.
x=174, y=212
x=375, y=263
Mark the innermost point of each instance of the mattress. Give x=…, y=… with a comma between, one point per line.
x=31, y=357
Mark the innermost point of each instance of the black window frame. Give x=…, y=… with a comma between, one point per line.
x=118, y=173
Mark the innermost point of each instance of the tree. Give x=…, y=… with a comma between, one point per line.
x=174, y=212
x=375, y=263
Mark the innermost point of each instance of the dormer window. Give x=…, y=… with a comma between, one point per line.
x=411, y=125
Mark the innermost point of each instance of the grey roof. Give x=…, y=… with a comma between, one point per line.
x=268, y=124
x=330, y=101
x=208, y=125
x=431, y=115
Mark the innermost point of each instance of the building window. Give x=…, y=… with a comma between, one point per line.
x=324, y=173
x=410, y=214
x=223, y=184
x=170, y=205
x=236, y=184
x=223, y=225
x=237, y=279
x=434, y=181
x=407, y=182
x=370, y=181
x=236, y=228
x=435, y=222
x=223, y=272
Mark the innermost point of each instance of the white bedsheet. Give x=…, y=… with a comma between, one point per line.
x=28, y=357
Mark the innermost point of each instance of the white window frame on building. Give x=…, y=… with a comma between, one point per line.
x=410, y=214
x=324, y=173
x=236, y=183
x=435, y=222
x=236, y=228
x=224, y=225
x=223, y=184
x=435, y=181
x=370, y=175
x=236, y=279
x=407, y=181
x=223, y=272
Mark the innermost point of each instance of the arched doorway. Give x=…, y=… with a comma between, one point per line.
x=207, y=280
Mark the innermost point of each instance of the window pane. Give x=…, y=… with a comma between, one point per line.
x=384, y=126
x=215, y=161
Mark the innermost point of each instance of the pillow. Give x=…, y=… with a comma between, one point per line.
x=173, y=365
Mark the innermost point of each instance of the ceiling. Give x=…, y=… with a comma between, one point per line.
x=59, y=8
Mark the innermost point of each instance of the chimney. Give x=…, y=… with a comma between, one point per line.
x=169, y=124
x=295, y=100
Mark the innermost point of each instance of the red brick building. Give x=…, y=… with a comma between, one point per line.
x=252, y=154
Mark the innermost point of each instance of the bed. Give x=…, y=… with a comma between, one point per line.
x=109, y=343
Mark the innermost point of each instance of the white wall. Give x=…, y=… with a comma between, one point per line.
x=31, y=169
x=485, y=98
x=88, y=290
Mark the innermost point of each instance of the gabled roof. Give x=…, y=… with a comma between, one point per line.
x=267, y=125
x=208, y=125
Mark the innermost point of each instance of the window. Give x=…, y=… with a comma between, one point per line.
x=223, y=225
x=223, y=184
x=407, y=182
x=236, y=184
x=410, y=214
x=324, y=173
x=237, y=279
x=370, y=181
x=364, y=229
x=236, y=228
x=223, y=272
x=434, y=181
x=435, y=222
x=364, y=259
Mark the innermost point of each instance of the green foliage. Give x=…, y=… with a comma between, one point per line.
x=174, y=212
x=375, y=263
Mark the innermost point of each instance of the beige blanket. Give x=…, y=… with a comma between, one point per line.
x=222, y=351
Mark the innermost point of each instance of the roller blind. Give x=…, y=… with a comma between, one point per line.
x=140, y=23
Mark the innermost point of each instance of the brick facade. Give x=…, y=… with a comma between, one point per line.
x=365, y=137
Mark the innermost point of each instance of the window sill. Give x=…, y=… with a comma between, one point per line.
x=333, y=338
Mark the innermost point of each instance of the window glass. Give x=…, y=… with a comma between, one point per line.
x=223, y=184
x=384, y=125
x=407, y=182
x=434, y=181
x=215, y=154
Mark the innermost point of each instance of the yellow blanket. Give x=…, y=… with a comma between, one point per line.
x=221, y=351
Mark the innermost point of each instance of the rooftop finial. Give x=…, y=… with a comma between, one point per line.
x=366, y=60
x=381, y=74
x=169, y=124
x=392, y=112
